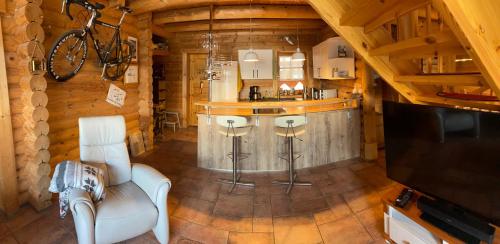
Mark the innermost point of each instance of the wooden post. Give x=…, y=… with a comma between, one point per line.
x=145, y=46
x=369, y=114
x=8, y=180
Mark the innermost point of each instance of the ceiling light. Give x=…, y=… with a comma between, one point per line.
x=251, y=56
x=298, y=55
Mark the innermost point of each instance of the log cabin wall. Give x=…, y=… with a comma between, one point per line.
x=21, y=25
x=229, y=44
x=85, y=94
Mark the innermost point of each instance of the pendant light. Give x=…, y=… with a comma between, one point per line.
x=298, y=55
x=251, y=55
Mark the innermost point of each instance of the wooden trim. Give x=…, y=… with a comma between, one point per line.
x=3, y=6
x=8, y=174
x=401, y=8
x=494, y=106
x=242, y=24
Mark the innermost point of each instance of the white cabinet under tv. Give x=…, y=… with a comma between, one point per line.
x=329, y=63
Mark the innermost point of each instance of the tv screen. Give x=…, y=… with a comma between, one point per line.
x=449, y=154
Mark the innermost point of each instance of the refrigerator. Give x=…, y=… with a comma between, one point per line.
x=225, y=83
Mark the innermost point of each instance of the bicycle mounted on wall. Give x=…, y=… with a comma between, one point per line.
x=69, y=52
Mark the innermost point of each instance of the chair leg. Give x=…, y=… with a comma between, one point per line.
x=292, y=176
x=236, y=177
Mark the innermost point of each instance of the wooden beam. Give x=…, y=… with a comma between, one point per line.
x=493, y=106
x=258, y=24
x=438, y=79
x=442, y=49
x=401, y=8
x=159, y=31
x=475, y=23
x=143, y=6
x=236, y=12
x=416, y=42
x=3, y=7
x=8, y=175
x=364, y=11
x=330, y=10
x=369, y=114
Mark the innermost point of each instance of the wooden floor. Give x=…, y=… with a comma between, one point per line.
x=343, y=205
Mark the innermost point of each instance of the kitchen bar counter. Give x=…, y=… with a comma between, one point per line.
x=288, y=107
x=332, y=134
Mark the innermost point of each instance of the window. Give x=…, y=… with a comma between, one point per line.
x=289, y=69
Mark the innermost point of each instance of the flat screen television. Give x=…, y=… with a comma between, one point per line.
x=449, y=154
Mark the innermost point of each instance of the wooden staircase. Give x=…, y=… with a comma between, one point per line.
x=425, y=47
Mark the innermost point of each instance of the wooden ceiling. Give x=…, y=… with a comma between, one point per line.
x=420, y=47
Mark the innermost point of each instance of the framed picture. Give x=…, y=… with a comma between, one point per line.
x=133, y=44
x=116, y=96
x=131, y=75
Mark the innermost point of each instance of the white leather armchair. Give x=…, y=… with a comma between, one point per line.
x=136, y=198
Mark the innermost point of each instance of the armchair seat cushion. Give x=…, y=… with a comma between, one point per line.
x=126, y=212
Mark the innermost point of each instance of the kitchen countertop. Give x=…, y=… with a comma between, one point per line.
x=269, y=108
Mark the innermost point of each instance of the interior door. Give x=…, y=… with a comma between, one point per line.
x=198, y=86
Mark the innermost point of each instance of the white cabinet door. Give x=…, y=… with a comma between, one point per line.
x=261, y=70
x=247, y=69
x=264, y=68
x=317, y=62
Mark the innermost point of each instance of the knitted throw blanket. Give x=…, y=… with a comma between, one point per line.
x=71, y=174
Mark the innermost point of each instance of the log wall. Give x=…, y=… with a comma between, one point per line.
x=229, y=44
x=22, y=30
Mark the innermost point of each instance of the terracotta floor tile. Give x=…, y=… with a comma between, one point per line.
x=262, y=199
x=47, y=230
x=374, y=176
x=195, y=210
x=183, y=229
x=280, y=205
x=148, y=237
x=338, y=209
x=291, y=230
x=346, y=230
x=24, y=216
x=232, y=224
x=308, y=205
x=234, y=205
x=250, y=238
x=373, y=220
x=210, y=192
x=262, y=224
x=8, y=240
x=188, y=187
x=238, y=190
x=4, y=230
x=361, y=199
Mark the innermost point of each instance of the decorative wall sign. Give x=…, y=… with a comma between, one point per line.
x=116, y=96
x=133, y=44
x=131, y=76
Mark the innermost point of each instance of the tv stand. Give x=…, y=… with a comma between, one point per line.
x=405, y=225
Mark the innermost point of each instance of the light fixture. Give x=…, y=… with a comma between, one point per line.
x=298, y=55
x=285, y=87
x=299, y=86
x=251, y=55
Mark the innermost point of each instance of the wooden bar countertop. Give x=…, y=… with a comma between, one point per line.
x=288, y=107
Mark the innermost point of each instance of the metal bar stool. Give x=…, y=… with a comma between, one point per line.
x=290, y=127
x=236, y=127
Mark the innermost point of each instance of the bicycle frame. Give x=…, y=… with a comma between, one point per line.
x=103, y=58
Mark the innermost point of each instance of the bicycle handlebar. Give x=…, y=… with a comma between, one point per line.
x=83, y=3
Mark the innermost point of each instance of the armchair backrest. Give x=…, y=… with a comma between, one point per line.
x=102, y=140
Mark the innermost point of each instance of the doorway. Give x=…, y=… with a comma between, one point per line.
x=197, y=84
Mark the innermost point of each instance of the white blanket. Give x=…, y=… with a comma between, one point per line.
x=73, y=174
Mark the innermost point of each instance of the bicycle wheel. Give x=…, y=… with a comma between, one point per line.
x=118, y=64
x=67, y=55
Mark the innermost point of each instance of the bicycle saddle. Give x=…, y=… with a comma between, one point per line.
x=125, y=9
x=99, y=6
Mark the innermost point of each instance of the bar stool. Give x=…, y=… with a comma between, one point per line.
x=235, y=127
x=290, y=127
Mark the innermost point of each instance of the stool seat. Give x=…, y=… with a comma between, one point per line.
x=283, y=132
x=236, y=121
x=237, y=131
x=296, y=121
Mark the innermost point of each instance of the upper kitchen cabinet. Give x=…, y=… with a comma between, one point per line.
x=333, y=59
x=260, y=70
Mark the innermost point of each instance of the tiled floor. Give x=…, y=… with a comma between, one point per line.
x=342, y=206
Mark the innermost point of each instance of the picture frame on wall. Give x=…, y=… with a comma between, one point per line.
x=131, y=75
x=134, y=44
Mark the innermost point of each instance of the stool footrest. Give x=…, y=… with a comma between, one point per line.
x=235, y=183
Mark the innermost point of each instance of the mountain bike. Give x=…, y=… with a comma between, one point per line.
x=69, y=52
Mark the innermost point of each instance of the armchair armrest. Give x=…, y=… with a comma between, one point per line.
x=84, y=213
x=150, y=181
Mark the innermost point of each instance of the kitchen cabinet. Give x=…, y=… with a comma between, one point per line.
x=260, y=70
x=327, y=64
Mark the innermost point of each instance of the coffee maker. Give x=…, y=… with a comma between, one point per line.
x=254, y=94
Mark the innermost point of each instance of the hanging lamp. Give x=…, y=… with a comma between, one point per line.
x=251, y=55
x=298, y=55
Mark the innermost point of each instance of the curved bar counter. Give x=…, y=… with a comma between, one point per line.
x=332, y=134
